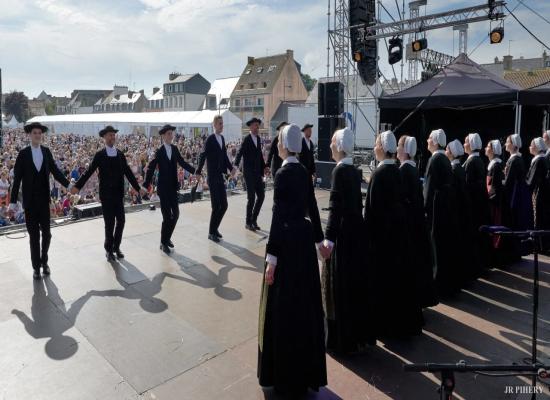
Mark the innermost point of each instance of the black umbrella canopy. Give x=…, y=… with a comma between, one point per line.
x=538, y=95
x=461, y=84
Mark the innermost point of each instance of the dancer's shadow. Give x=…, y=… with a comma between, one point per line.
x=48, y=322
x=246, y=255
x=205, y=278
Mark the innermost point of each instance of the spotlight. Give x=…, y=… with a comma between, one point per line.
x=419, y=45
x=395, y=50
x=358, y=56
x=497, y=35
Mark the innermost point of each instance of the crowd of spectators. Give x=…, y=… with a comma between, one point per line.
x=74, y=153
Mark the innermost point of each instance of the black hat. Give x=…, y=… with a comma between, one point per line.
x=251, y=121
x=107, y=129
x=284, y=123
x=166, y=128
x=307, y=126
x=28, y=128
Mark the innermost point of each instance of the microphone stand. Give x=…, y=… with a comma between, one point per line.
x=536, y=369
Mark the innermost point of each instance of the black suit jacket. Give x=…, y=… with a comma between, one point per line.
x=307, y=156
x=110, y=186
x=254, y=163
x=273, y=158
x=168, y=170
x=217, y=162
x=25, y=171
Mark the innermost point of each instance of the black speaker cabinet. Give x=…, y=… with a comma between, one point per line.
x=331, y=98
x=326, y=128
x=87, y=210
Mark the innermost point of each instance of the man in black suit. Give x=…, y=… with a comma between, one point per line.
x=112, y=166
x=307, y=156
x=254, y=169
x=167, y=158
x=33, y=166
x=273, y=158
x=215, y=155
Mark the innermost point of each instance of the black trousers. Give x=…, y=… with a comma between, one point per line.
x=113, y=215
x=218, y=198
x=37, y=219
x=170, y=213
x=255, y=192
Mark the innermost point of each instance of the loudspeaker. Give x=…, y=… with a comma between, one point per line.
x=323, y=170
x=331, y=98
x=87, y=210
x=326, y=128
x=184, y=196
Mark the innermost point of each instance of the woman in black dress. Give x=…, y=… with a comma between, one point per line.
x=518, y=208
x=439, y=198
x=291, y=338
x=464, y=238
x=420, y=251
x=344, y=274
x=537, y=180
x=476, y=177
x=394, y=312
x=495, y=190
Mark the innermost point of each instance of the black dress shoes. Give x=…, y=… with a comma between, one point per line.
x=36, y=275
x=250, y=227
x=119, y=254
x=256, y=227
x=110, y=256
x=45, y=269
x=218, y=234
x=213, y=237
x=170, y=244
x=165, y=248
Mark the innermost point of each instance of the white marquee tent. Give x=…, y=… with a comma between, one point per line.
x=148, y=123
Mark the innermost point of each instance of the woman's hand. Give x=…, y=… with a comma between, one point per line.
x=270, y=274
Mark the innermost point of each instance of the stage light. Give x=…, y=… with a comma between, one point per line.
x=419, y=45
x=395, y=50
x=497, y=35
x=358, y=56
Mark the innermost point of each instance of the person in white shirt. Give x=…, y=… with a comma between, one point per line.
x=33, y=167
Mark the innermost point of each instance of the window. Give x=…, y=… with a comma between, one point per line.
x=259, y=70
x=237, y=102
x=260, y=101
x=264, y=84
x=251, y=85
x=272, y=68
x=241, y=87
x=247, y=102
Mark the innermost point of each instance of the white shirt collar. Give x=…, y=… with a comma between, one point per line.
x=455, y=161
x=111, y=151
x=514, y=155
x=168, y=148
x=387, y=161
x=474, y=154
x=35, y=147
x=410, y=162
x=440, y=151
x=290, y=160
x=548, y=152
x=346, y=160
x=493, y=162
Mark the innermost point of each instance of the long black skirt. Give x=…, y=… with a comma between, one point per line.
x=291, y=338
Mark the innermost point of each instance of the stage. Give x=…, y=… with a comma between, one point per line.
x=184, y=326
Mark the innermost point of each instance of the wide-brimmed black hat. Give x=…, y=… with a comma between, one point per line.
x=28, y=128
x=166, y=128
x=107, y=129
x=307, y=126
x=251, y=121
x=284, y=123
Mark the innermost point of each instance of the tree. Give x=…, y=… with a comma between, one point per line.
x=16, y=103
x=50, y=108
x=309, y=82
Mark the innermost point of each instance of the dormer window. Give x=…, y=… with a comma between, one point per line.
x=259, y=70
x=272, y=68
x=248, y=71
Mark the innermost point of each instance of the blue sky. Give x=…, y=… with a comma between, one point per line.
x=60, y=45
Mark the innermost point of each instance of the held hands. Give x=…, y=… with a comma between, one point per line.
x=325, y=249
x=270, y=274
x=267, y=171
x=74, y=190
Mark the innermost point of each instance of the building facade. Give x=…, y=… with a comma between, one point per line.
x=121, y=100
x=265, y=83
x=185, y=92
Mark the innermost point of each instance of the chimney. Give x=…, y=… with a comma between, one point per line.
x=173, y=76
x=142, y=92
x=155, y=89
x=251, y=60
x=130, y=94
x=507, y=61
x=290, y=54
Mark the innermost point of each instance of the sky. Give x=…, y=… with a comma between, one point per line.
x=62, y=45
